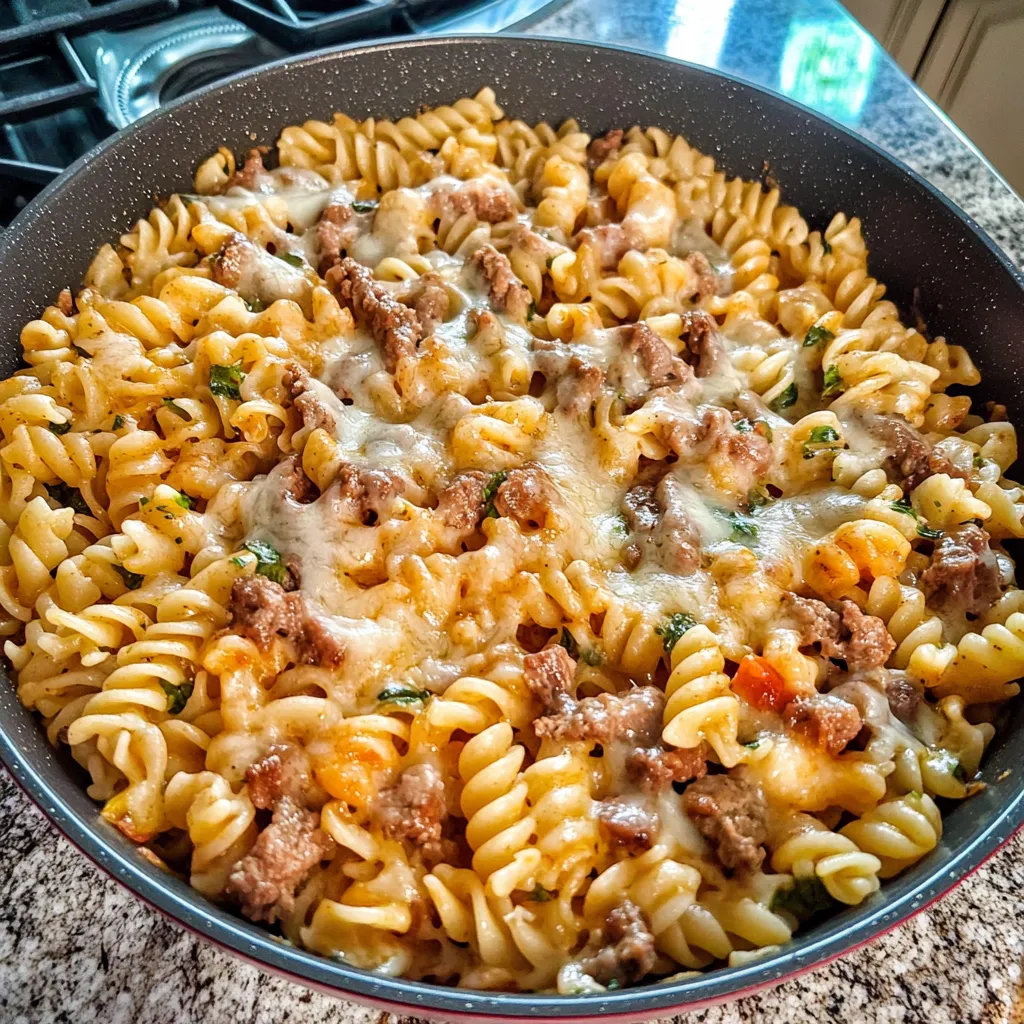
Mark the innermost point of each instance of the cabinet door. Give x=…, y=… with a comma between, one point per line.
x=903, y=27
x=974, y=70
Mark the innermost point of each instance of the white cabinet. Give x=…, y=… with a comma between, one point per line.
x=968, y=56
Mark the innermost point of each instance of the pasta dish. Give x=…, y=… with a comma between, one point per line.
x=507, y=558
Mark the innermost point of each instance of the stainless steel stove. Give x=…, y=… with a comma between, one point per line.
x=74, y=71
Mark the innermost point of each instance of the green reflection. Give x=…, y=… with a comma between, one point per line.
x=829, y=65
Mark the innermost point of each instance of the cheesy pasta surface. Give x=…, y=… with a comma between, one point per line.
x=503, y=557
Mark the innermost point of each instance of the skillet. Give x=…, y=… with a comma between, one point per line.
x=965, y=288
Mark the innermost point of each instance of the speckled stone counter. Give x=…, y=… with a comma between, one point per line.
x=76, y=947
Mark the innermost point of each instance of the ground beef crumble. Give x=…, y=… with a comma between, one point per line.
x=628, y=954
x=732, y=815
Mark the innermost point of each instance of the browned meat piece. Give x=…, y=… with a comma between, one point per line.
x=526, y=495
x=263, y=611
x=603, y=146
x=913, y=458
x=507, y=292
x=628, y=826
x=366, y=496
x=660, y=365
x=265, y=880
x=677, y=538
x=654, y=769
x=869, y=644
x=700, y=332
x=549, y=676
x=461, y=503
x=578, y=389
x=297, y=485
x=487, y=203
x=313, y=410
x=610, y=242
x=232, y=260
x=284, y=771
x=628, y=955
x=815, y=621
x=904, y=698
x=862, y=641
x=748, y=452
x=707, y=279
x=252, y=175
x=335, y=232
x=641, y=508
x=633, y=717
x=430, y=302
x=731, y=814
x=65, y=303
x=394, y=326
x=414, y=808
x=830, y=723
x=963, y=574
x=632, y=556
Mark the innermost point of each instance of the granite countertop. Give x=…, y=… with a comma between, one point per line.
x=74, y=946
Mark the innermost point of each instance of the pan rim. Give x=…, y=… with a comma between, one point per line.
x=248, y=941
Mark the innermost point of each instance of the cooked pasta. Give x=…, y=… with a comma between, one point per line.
x=503, y=557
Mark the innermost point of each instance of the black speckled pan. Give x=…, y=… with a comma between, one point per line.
x=968, y=291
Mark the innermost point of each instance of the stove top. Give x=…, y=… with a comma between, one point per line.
x=74, y=71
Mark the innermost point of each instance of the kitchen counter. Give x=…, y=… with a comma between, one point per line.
x=76, y=947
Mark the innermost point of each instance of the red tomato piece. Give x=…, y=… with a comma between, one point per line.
x=760, y=685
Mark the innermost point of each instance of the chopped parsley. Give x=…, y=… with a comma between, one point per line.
x=541, y=895
x=591, y=656
x=224, y=380
x=177, y=696
x=118, y=422
x=827, y=246
x=183, y=500
x=531, y=310
x=743, y=526
x=816, y=335
x=820, y=435
x=254, y=305
x=239, y=561
x=171, y=404
x=959, y=772
x=68, y=497
x=549, y=261
x=903, y=506
x=786, y=398
x=568, y=641
x=758, y=499
x=268, y=560
x=928, y=533
x=804, y=899
x=491, y=492
x=979, y=462
x=291, y=258
x=132, y=580
x=613, y=984
x=744, y=426
x=673, y=628
x=619, y=526
x=403, y=696
x=752, y=745
x=360, y=206
x=833, y=382
x=60, y=428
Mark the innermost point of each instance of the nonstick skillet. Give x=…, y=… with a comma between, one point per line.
x=922, y=246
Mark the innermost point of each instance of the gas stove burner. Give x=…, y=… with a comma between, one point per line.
x=137, y=71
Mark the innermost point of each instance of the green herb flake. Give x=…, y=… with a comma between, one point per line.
x=568, y=641
x=744, y=426
x=531, y=310
x=225, y=380
x=291, y=258
x=928, y=533
x=827, y=246
x=752, y=745
x=403, y=696
x=672, y=629
x=183, y=500
x=118, y=422
x=364, y=207
x=758, y=499
x=743, y=526
x=239, y=561
x=904, y=507
x=132, y=580
x=613, y=984
x=979, y=462
x=541, y=895
x=268, y=560
x=170, y=403
x=491, y=492
x=804, y=899
x=177, y=696
x=60, y=428
x=764, y=428
x=68, y=497
x=833, y=382
x=821, y=435
x=619, y=526
x=816, y=335
x=592, y=656
x=549, y=261
x=254, y=305
x=959, y=772
x=786, y=398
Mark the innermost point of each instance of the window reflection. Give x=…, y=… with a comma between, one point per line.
x=828, y=65
x=698, y=31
